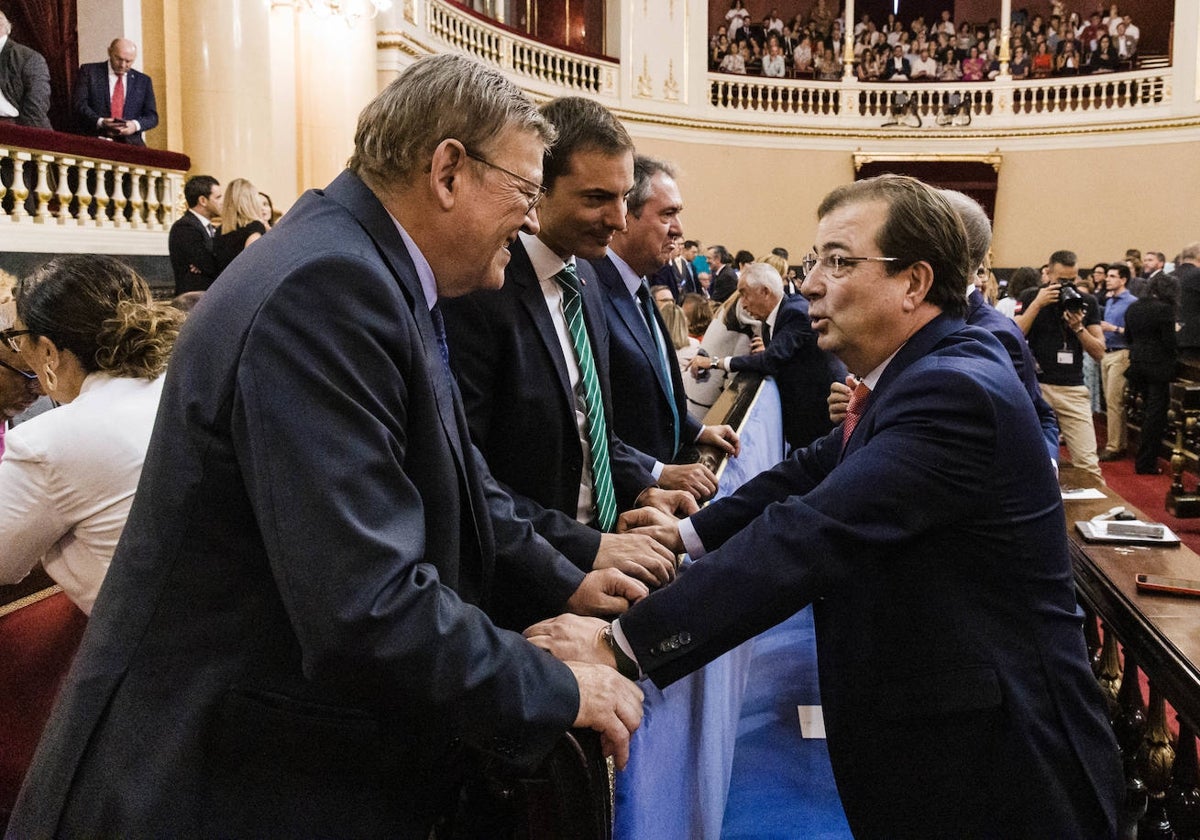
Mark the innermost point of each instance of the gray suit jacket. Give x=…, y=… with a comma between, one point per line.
x=25, y=82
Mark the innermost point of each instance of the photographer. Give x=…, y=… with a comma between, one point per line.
x=1062, y=323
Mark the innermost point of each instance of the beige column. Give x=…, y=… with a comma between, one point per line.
x=1005, y=54
x=848, y=42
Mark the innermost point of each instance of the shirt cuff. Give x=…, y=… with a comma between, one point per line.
x=691, y=540
x=656, y=471
x=623, y=643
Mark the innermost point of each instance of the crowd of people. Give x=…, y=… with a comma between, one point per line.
x=405, y=505
x=1042, y=43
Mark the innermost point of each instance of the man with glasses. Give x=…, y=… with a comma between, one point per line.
x=532, y=362
x=928, y=531
x=301, y=633
x=18, y=385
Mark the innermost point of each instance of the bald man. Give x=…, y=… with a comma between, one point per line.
x=114, y=101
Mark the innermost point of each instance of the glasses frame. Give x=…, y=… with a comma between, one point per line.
x=836, y=265
x=9, y=337
x=28, y=375
x=540, y=191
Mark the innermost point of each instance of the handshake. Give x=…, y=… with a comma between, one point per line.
x=609, y=702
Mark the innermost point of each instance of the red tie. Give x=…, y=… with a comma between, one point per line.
x=854, y=411
x=118, y=98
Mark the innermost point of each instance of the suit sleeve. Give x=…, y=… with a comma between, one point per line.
x=922, y=463
x=321, y=425
x=1026, y=368
x=86, y=115
x=36, y=104
x=147, y=118
x=789, y=340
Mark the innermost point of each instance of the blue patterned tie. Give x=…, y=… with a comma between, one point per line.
x=663, y=362
x=439, y=331
x=597, y=428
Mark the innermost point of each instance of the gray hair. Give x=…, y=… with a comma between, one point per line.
x=759, y=274
x=438, y=97
x=976, y=223
x=1191, y=251
x=644, y=170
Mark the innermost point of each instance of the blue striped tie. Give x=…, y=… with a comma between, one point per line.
x=597, y=428
x=664, y=371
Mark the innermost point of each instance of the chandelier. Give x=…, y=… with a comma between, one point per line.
x=351, y=11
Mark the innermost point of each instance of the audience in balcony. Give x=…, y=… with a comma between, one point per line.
x=1042, y=64
x=24, y=82
x=1104, y=59
x=925, y=66
x=241, y=225
x=974, y=66
x=737, y=19
x=896, y=67
x=1126, y=45
x=1067, y=62
x=949, y=68
x=89, y=328
x=773, y=64
x=735, y=60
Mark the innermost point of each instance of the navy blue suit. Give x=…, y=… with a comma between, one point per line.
x=292, y=639
x=520, y=406
x=642, y=395
x=955, y=684
x=981, y=314
x=802, y=371
x=91, y=101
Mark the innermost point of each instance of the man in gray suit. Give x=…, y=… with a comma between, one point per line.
x=24, y=82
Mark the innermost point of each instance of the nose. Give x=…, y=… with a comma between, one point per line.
x=812, y=287
x=531, y=225
x=614, y=216
x=676, y=228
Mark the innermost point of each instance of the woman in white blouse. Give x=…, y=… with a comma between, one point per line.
x=90, y=330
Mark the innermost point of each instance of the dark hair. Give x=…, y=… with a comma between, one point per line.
x=780, y=252
x=583, y=126
x=1023, y=278
x=644, y=170
x=1101, y=266
x=722, y=253
x=1066, y=258
x=102, y=311
x=1121, y=269
x=198, y=187
x=690, y=243
x=743, y=257
x=921, y=226
x=1164, y=287
x=699, y=312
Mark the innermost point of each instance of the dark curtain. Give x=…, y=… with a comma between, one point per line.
x=975, y=178
x=48, y=26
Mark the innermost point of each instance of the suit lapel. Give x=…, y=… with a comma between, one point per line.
x=631, y=317
x=521, y=274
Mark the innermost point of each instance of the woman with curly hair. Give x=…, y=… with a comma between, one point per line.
x=89, y=328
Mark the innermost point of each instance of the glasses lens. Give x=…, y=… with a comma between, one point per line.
x=809, y=263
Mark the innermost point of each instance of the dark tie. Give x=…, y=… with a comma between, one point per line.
x=439, y=331
x=212, y=230
x=855, y=410
x=766, y=334
x=660, y=344
x=117, y=102
x=593, y=401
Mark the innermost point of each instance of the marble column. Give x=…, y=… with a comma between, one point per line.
x=848, y=42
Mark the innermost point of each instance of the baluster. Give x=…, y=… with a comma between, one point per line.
x=19, y=189
x=138, y=217
x=1130, y=728
x=64, y=189
x=1108, y=672
x=1154, y=761
x=1091, y=636
x=103, y=170
x=1182, y=798
x=153, y=185
x=41, y=190
x=5, y=154
x=120, y=201
x=86, y=169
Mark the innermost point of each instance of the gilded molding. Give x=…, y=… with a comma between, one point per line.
x=861, y=158
x=645, y=84
x=671, y=86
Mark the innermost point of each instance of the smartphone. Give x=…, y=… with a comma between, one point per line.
x=1171, y=586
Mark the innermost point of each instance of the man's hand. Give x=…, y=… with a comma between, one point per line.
x=839, y=398
x=1046, y=296
x=573, y=638
x=609, y=704
x=723, y=437
x=637, y=555
x=659, y=526
x=696, y=479
x=1074, y=319
x=673, y=502
x=756, y=344
x=698, y=365
x=606, y=592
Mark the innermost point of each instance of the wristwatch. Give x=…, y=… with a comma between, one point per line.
x=626, y=667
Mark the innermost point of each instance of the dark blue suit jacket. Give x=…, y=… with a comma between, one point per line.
x=292, y=639
x=981, y=314
x=520, y=407
x=91, y=101
x=802, y=371
x=642, y=397
x=955, y=684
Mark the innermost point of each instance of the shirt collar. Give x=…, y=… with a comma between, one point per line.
x=424, y=270
x=628, y=276
x=770, y=322
x=871, y=380
x=545, y=262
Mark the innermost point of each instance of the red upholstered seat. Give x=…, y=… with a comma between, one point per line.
x=38, y=638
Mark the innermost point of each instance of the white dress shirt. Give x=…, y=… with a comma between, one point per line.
x=67, y=481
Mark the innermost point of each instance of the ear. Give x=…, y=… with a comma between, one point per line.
x=41, y=352
x=920, y=280
x=445, y=172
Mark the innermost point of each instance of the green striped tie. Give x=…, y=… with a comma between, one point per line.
x=597, y=429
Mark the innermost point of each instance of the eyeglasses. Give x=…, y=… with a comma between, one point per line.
x=539, y=190
x=9, y=337
x=27, y=374
x=837, y=266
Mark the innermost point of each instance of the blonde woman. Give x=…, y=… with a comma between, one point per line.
x=89, y=328
x=241, y=221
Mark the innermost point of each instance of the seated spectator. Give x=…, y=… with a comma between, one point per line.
x=1091, y=32
x=1019, y=67
x=1104, y=59
x=826, y=64
x=1068, y=60
x=718, y=51
x=802, y=58
x=973, y=66
x=241, y=225
x=698, y=311
x=90, y=329
x=897, y=67
x=266, y=210
x=661, y=295
x=964, y=41
x=773, y=64
x=24, y=82
x=949, y=69
x=728, y=334
x=1126, y=46
x=1021, y=280
x=677, y=328
x=1131, y=28
x=18, y=385
x=735, y=60
x=1042, y=64
x=925, y=67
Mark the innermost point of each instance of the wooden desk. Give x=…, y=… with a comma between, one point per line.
x=1161, y=631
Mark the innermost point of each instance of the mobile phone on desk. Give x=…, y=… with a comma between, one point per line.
x=1168, y=585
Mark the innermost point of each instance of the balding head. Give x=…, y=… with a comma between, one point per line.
x=121, y=54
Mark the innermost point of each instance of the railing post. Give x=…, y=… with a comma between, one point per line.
x=103, y=170
x=41, y=207
x=64, y=189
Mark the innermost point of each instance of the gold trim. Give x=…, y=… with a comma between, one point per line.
x=29, y=600
x=861, y=158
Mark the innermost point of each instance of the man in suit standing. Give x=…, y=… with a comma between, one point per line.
x=955, y=684
x=649, y=403
x=294, y=638
x=1188, y=275
x=190, y=242
x=24, y=82
x=114, y=101
x=532, y=361
x=724, y=278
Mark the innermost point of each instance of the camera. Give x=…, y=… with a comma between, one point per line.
x=1070, y=299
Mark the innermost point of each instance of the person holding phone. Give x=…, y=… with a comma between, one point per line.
x=112, y=100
